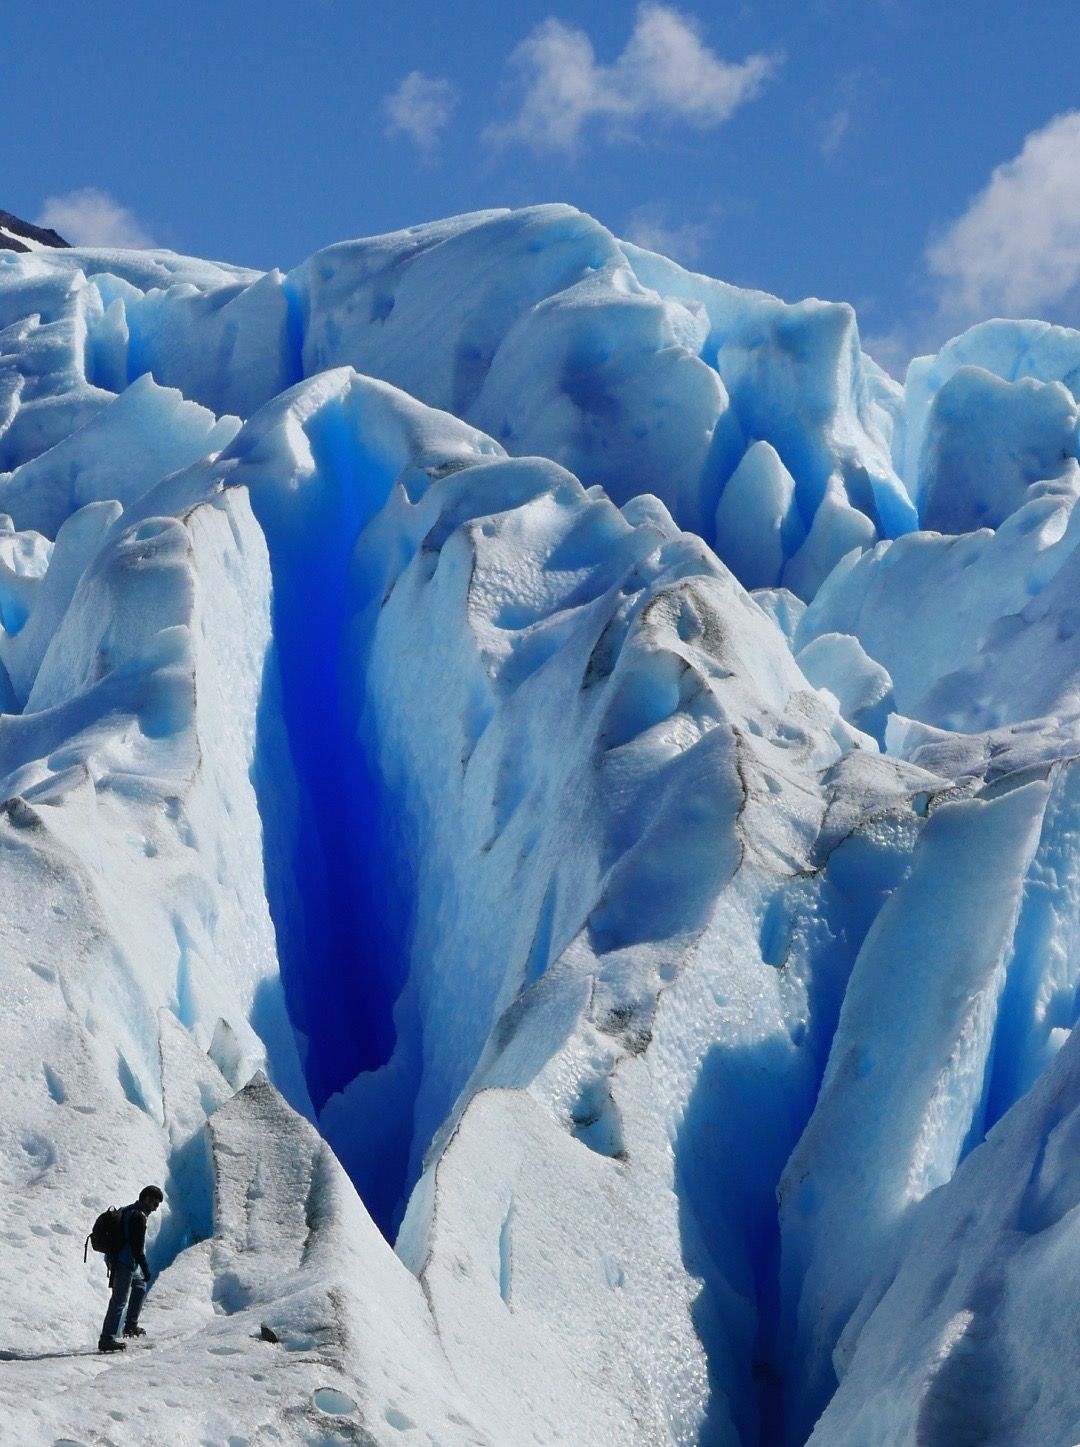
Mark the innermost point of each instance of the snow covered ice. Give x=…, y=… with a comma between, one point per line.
x=540, y=801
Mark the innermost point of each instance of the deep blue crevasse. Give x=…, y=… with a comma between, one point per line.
x=335, y=882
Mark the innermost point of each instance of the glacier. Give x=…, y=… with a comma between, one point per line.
x=539, y=800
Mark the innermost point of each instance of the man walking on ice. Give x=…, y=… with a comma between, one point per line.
x=129, y=1275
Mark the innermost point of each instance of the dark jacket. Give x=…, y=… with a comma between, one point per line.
x=133, y=1253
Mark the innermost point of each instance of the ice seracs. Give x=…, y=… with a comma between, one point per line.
x=566, y=996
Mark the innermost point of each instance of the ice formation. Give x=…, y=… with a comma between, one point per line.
x=540, y=802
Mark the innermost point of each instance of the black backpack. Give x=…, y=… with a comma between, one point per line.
x=108, y=1234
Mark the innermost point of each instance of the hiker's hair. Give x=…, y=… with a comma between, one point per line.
x=154, y=1192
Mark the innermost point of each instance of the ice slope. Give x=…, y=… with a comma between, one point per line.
x=653, y=956
x=963, y=1316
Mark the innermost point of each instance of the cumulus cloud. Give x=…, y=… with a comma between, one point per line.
x=93, y=218
x=1016, y=249
x=420, y=109
x=1014, y=252
x=666, y=72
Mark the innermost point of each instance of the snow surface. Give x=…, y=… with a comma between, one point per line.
x=22, y=243
x=565, y=997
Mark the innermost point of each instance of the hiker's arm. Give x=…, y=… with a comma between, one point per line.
x=137, y=1238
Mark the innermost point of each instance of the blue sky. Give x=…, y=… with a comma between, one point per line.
x=921, y=160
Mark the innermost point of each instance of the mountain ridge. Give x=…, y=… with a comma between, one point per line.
x=23, y=236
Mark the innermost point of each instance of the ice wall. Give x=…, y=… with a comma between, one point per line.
x=655, y=956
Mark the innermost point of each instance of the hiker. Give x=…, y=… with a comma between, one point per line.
x=129, y=1275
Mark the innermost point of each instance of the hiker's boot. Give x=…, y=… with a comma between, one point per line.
x=110, y=1344
x=134, y=1331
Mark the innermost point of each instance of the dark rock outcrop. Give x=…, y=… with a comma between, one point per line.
x=19, y=235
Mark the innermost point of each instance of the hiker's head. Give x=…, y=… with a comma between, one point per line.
x=151, y=1197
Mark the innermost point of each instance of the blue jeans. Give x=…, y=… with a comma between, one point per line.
x=127, y=1281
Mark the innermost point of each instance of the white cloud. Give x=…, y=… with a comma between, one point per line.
x=650, y=226
x=850, y=94
x=421, y=109
x=665, y=72
x=1014, y=252
x=833, y=132
x=1016, y=249
x=92, y=218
